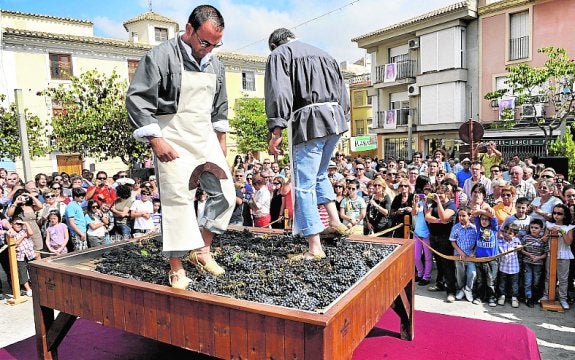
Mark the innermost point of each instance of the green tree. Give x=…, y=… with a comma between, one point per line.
x=93, y=119
x=550, y=84
x=249, y=125
x=10, y=134
x=565, y=146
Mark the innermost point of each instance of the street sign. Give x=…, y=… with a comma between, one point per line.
x=363, y=143
x=471, y=128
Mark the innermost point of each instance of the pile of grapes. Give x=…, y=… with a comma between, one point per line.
x=258, y=268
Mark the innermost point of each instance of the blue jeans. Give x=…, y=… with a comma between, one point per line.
x=508, y=281
x=487, y=275
x=465, y=273
x=532, y=278
x=311, y=184
x=123, y=229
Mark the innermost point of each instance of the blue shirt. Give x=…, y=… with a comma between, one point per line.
x=74, y=210
x=486, y=238
x=421, y=229
x=465, y=237
x=509, y=264
x=462, y=176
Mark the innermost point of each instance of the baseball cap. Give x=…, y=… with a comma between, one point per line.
x=332, y=164
x=466, y=160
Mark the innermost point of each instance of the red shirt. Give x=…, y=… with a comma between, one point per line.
x=103, y=194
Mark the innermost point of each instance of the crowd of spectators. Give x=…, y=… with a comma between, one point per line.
x=464, y=210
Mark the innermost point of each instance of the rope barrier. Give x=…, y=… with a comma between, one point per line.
x=385, y=231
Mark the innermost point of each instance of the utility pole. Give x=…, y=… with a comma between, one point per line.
x=23, y=131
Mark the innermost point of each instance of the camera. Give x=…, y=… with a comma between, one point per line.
x=24, y=198
x=559, y=181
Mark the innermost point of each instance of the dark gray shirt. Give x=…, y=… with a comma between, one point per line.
x=155, y=87
x=302, y=83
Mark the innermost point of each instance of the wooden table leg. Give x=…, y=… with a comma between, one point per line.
x=403, y=306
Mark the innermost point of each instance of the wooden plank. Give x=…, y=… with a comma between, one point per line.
x=205, y=328
x=97, y=301
x=294, y=340
x=275, y=337
x=191, y=324
x=49, y=286
x=163, y=318
x=221, y=324
x=314, y=342
x=118, y=307
x=131, y=311
x=58, y=291
x=256, y=336
x=68, y=300
x=76, y=295
x=177, y=314
x=150, y=324
x=107, y=304
x=238, y=335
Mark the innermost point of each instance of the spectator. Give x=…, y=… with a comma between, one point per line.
x=340, y=193
x=488, y=154
x=464, y=173
x=353, y=209
x=523, y=188
x=41, y=182
x=332, y=173
x=463, y=238
x=497, y=186
x=141, y=211
x=506, y=207
x=487, y=229
x=421, y=231
x=401, y=206
x=157, y=214
x=534, y=253
x=121, y=210
x=237, y=217
x=277, y=203
x=509, y=266
x=260, y=203
x=76, y=221
x=101, y=192
x=432, y=171
x=478, y=204
x=520, y=218
x=477, y=177
x=50, y=204
x=378, y=209
x=22, y=236
x=24, y=207
x=440, y=156
x=96, y=224
x=542, y=206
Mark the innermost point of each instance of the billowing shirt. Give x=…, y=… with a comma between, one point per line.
x=304, y=85
x=155, y=87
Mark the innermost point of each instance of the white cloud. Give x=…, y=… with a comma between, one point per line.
x=110, y=28
x=251, y=25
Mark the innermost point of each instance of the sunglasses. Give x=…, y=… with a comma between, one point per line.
x=102, y=178
x=338, y=186
x=558, y=213
x=207, y=44
x=351, y=188
x=49, y=196
x=95, y=207
x=277, y=183
x=548, y=176
x=144, y=194
x=122, y=176
x=505, y=195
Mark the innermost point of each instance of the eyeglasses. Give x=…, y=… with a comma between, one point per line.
x=277, y=183
x=239, y=175
x=57, y=179
x=102, y=178
x=505, y=195
x=49, y=196
x=360, y=168
x=145, y=194
x=558, y=213
x=339, y=186
x=351, y=188
x=402, y=185
x=548, y=176
x=267, y=162
x=206, y=44
x=56, y=188
x=95, y=207
x=122, y=176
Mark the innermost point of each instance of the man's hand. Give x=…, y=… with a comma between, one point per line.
x=274, y=144
x=164, y=151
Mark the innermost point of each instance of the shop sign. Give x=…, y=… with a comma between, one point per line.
x=363, y=143
x=519, y=142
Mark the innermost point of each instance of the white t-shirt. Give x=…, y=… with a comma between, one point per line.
x=141, y=223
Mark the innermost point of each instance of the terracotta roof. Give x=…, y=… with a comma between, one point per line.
x=85, y=39
x=19, y=13
x=150, y=16
x=426, y=16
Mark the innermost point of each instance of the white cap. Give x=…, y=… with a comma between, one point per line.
x=466, y=160
x=125, y=181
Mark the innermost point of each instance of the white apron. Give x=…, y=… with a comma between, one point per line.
x=190, y=133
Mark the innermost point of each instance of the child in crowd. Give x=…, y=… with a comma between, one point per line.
x=353, y=209
x=509, y=265
x=141, y=211
x=520, y=218
x=22, y=236
x=561, y=220
x=463, y=238
x=486, y=247
x=157, y=214
x=534, y=253
x=106, y=212
x=56, y=234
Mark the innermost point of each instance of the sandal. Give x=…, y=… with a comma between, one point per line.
x=178, y=281
x=211, y=266
x=307, y=256
x=339, y=229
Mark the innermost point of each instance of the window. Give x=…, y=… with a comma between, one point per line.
x=443, y=49
x=161, y=34
x=359, y=98
x=132, y=65
x=359, y=127
x=248, y=81
x=60, y=66
x=519, y=35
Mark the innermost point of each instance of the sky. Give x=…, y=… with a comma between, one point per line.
x=328, y=24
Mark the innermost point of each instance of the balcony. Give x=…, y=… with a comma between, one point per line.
x=519, y=48
x=405, y=69
x=379, y=121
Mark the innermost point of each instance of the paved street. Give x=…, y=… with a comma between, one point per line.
x=555, y=331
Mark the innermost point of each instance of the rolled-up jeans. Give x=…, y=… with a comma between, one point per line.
x=311, y=184
x=465, y=274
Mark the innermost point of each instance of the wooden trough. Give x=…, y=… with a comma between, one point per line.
x=215, y=325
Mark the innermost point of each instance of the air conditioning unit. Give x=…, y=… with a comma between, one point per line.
x=413, y=90
x=494, y=103
x=413, y=43
x=530, y=111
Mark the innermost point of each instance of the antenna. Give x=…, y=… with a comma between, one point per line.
x=149, y=5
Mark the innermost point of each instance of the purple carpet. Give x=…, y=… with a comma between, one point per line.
x=436, y=337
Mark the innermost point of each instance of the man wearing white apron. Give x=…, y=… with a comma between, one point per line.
x=177, y=101
x=305, y=93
